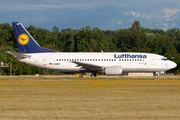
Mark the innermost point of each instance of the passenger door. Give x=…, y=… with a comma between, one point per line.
x=44, y=60
x=153, y=61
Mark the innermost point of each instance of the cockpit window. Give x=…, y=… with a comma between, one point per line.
x=164, y=58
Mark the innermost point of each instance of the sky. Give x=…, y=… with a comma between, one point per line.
x=45, y=12
x=39, y=5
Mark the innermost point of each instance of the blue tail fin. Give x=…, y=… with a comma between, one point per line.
x=25, y=41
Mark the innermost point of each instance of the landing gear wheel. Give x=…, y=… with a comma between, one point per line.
x=156, y=75
x=93, y=75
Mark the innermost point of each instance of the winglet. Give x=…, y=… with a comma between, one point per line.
x=25, y=41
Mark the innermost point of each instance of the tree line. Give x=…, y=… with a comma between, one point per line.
x=91, y=39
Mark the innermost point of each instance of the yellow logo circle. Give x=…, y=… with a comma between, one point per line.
x=23, y=39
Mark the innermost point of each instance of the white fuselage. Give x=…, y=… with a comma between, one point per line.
x=129, y=61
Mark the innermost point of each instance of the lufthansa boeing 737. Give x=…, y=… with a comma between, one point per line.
x=110, y=63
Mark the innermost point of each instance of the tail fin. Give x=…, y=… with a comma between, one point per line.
x=25, y=41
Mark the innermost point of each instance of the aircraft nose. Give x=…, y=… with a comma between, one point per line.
x=173, y=64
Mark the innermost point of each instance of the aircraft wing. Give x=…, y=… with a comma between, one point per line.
x=89, y=66
x=18, y=55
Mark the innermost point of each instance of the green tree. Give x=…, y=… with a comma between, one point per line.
x=134, y=26
x=82, y=47
x=55, y=29
x=136, y=39
x=69, y=44
x=6, y=35
x=91, y=45
x=138, y=25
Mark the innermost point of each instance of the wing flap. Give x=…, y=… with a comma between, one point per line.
x=89, y=66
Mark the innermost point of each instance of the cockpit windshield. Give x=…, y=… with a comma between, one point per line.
x=164, y=58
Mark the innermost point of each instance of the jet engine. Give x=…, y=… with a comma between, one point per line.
x=113, y=70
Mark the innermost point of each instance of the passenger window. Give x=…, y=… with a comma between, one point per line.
x=101, y=59
x=119, y=59
x=104, y=59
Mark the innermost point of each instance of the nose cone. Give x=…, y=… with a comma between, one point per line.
x=173, y=64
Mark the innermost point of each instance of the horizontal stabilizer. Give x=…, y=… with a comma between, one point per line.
x=18, y=55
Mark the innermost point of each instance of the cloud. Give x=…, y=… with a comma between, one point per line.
x=20, y=5
x=170, y=12
x=14, y=6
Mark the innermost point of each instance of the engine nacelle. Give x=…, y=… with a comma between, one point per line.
x=113, y=70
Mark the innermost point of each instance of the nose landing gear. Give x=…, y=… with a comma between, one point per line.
x=156, y=74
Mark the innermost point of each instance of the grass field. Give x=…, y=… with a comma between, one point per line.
x=68, y=97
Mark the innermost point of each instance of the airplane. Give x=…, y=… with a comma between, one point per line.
x=109, y=63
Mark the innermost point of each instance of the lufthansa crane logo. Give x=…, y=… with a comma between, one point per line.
x=23, y=39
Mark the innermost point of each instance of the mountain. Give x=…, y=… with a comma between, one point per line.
x=107, y=17
x=152, y=15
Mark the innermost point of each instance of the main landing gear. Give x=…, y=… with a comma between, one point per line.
x=156, y=74
x=93, y=74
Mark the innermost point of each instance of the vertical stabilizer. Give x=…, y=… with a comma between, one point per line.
x=25, y=41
